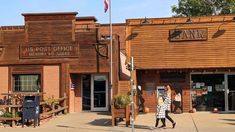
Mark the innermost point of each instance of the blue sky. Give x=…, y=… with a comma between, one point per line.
x=122, y=9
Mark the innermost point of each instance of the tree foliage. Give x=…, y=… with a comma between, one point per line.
x=203, y=7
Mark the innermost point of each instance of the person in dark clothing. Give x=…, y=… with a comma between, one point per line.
x=177, y=103
x=167, y=102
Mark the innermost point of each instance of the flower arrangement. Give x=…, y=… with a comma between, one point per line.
x=52, y=102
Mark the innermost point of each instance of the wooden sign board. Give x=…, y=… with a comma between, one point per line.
x=188, y=34
x=2, y=48
x=49, y=51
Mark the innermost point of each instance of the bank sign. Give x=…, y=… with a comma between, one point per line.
x=49, y=51
x=188, y=34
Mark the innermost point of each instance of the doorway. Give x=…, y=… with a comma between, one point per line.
x=99, y=94
x=86, y=92
x=95, y=92
x=230, y=93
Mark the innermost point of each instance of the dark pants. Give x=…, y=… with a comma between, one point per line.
x=163, y=120
x=177, y=105
x=168, y=117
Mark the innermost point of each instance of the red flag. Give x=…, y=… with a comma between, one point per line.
x=106, y=5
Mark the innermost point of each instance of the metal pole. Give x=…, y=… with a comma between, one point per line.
x=226, y=91
x=132, y=95
x=111, y=49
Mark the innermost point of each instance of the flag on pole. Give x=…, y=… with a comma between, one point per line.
x=106, y=5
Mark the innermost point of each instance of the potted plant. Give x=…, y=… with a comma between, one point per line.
x=121, y=101
x=52, y=103
x=121, y=108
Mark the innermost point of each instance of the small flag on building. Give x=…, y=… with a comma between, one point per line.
x=106, y=5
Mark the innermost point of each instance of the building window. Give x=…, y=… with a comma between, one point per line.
x=166, y=77
x=150, y=88
x=26, y=83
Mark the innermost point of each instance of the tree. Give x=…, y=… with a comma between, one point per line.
x=203, y=7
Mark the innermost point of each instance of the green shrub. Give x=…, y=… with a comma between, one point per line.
x=18, y=114
x=121, y=101
x=7, y=115
x=51, y=101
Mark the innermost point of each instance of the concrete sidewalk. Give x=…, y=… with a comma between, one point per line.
x=194, y=122
x=101, y=122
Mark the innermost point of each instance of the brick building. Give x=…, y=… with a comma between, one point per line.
x=59, y=53
x=194, y=55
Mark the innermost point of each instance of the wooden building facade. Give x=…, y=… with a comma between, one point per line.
x=59, y=53
x=194, y=55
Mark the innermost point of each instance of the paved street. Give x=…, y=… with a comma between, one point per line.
x=101, y=122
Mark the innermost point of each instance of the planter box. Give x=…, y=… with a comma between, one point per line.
x=120, y=113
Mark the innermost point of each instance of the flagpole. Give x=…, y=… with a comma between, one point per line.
x=111, y=48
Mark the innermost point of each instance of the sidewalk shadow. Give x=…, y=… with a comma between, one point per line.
x=104, y=113
x=101, y=122
x=84, y=128
x=225, y=112
x=142, y=127
x=98, y=113
x=229, y=121
x=64, y=126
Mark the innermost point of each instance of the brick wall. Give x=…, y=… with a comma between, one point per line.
x=3, y=81
x=153, y=76
x=75, y=93
x=51, y=81
x=119, y=29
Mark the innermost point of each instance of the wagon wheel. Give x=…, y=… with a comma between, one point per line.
x=1, y=50
x=102, y=50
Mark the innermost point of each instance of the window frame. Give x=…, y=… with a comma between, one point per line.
x=24, y=69
x=20, y=91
